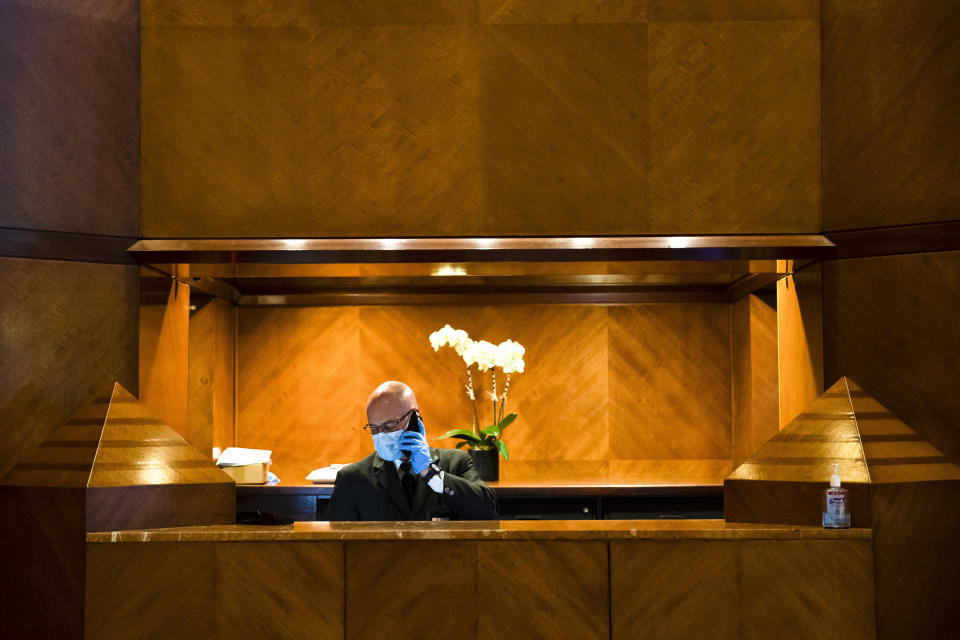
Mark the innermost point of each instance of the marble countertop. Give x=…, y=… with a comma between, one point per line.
x=485, y=530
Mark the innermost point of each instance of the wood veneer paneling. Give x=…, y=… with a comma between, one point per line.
x=68, y=331
x=408, y=587
x=755, y=377
x=734, y=124
x=890, y=99
x=890, y=323
x=565, y=582
x=563, y=111
x=69, y=122
x=669, y=381
x=480, y=118
x=298, y=389
x=807, y=589
x=305, y=582
x=154, y=591
x=305, y=374
x=669, y=589
x=800, y=319
x=210, y=405
x=164, y=356
x=917, y=559
x=41, y=533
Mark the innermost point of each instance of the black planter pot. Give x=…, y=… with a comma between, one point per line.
x=487, y=463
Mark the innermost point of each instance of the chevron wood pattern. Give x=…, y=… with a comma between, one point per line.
x=723, y=95
x=211, y=372
x=566, y=399
x=164, y=357
x=563, y=115
x=305, y=581
x=565, y=582
x=394, y=110
x=70, y=330
x=492, y=117
x=655, y=593
x=670, y=381
x=916, y=558
x=906, y=354
x=755, y=376
x=408, y=587
x=807, y=589
x=889, y=138
x=215, y=590
x=175, y=602
x=298, y=388
x=69, y=139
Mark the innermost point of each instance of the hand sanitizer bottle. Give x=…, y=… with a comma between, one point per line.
x=837, y=513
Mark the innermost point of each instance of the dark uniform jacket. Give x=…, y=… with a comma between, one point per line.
x=370, y=490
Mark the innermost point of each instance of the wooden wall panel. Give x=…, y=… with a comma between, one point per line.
x=800, y=323
x=164, y=357
x=210, y=403
x=563, y=110
x=890, y=99
x=807, y=589
x=410, y=587
x=755, y=385
x=298, y=388
x=670, y=381
x=67, y=332
x=661, y=589
x=586, y=405
x=493, y=117
x=734, y=121
x=41, y=534
x=69, y=120
x=917, y=559
x=565, y=582
x=890, y=323
x=395, y=133
x=218, y=154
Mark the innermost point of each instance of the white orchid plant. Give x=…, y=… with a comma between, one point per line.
x=485, y=356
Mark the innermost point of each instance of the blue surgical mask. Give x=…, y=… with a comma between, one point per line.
x=387, y=445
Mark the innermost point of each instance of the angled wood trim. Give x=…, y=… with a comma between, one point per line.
x=886, y=241
x=61, y=245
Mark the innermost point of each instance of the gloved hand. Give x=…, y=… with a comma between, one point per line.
x=416, y=443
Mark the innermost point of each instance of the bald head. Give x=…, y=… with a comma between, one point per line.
x=390, y=401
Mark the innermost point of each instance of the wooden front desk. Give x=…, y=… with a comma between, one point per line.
x=499, y=579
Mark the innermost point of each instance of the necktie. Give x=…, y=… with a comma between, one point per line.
x=408, y=481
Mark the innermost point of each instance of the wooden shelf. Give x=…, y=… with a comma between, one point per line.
x=536, y=249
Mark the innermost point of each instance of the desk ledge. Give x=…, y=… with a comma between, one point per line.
x=486, y=530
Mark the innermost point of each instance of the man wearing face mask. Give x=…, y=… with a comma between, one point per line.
x=405, y=479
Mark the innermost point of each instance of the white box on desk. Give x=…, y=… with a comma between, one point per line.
x=248, y=473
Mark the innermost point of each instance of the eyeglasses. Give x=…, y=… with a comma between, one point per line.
x=390, y=425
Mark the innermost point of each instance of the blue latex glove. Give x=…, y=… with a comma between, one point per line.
x=416, y=443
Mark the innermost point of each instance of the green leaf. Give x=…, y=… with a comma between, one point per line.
x=507, y=420
x=464, y=434
x=503, y=449
x=493, y=430
x=462, y=444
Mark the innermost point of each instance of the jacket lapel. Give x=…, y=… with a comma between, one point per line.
x=389, y=481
